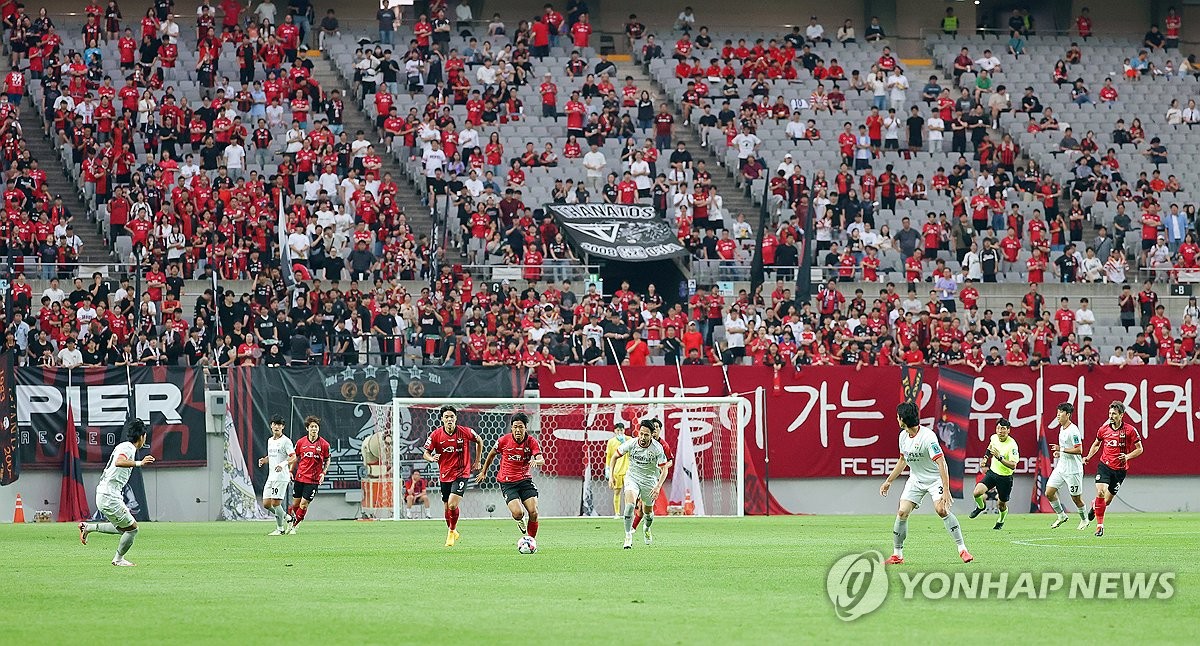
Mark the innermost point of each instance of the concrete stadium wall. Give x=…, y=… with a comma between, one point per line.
x=194, y=494
x=861, y=495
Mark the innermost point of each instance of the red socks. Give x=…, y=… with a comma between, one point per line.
x=533, y=528
x=452, y=517
x=299, y=515
x=446, y=514
x=1099, y=506
x=637, y=517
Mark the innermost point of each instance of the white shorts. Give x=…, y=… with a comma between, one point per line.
x=643, y=492
x=1071, y=482
x=915, y=491
x=114, y=509
x=275, y=489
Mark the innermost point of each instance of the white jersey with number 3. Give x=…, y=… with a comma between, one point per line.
x=277, y=454
x=922, y=453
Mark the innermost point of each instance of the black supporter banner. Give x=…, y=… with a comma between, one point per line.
x=169, y=399
x=354, y=406
x=619, y=232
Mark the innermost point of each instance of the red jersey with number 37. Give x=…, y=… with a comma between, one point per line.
x=1114, y=441
x=454, y=452
x=311, y=458
x=515, y=457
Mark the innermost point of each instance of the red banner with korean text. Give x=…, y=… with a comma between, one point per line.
x=822, y=422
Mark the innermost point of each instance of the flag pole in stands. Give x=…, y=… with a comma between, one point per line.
x=620, y=371
x=285, y=252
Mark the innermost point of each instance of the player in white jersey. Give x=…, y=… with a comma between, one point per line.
x=110, y=496
x=279, y=460
x=645, y=477
x=920, y=451
x=1068, y=471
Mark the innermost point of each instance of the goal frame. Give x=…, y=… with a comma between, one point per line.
x=465, y=402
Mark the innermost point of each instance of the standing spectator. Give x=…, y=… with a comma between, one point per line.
x=387, y=22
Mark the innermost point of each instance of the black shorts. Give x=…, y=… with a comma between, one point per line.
x=520, y=490
x=305, y=490
x=1003, y=484
x=1112, y=477
x=456, y=487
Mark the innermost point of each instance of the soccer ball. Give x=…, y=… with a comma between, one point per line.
x=527, y=545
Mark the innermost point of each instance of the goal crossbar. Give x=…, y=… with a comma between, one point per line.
x=467, y=402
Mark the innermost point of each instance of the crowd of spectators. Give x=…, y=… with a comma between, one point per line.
x=198, y=187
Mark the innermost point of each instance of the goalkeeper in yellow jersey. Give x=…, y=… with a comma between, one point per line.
x=617, y=476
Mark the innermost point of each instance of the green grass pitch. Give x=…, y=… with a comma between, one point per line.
x=704, y=581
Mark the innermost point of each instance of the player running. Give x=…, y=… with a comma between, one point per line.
x=279, y=460
x=919, y=449
x=311, y=467
x=1068, y=471
x=1118, y=443
x=415, y=494
x=620, y=467
x=518, y=450
x=657, y=435
x=447, y=445
x=110, y=492
x=646, y=475
x=1002, y=449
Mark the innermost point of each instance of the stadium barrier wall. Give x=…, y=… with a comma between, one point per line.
x=829, y=432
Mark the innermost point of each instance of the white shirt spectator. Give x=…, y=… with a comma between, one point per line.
x=299, y=243
x=1084, y=320
x=486, y=74
x=463, y=12
x=746, y=142
x=988, y=63
x=295, y=140
x=274, y=115
x=433, y=160
x=70, y=358
x=641, y=174
x=898, y=84
x=329, y=183
x=814, y=32
x=187, y=172
x=468, y=138
x=935, y=126
x=595, y=163
x=735, y=331
x=235, y=156
x=474, y=186
x=794, y=130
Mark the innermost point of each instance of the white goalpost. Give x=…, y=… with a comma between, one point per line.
x=705, y=434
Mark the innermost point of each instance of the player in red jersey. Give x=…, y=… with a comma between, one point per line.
x=312, y=462
x=656, y=433
x=1118, y=443
x=447, y=445
x=518, y=450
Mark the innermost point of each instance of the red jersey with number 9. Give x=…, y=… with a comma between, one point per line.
x=515, y=457
x=453, y=451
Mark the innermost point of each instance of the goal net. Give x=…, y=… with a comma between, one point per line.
x=704, y=434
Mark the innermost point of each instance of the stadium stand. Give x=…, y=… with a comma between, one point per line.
x=411, y=176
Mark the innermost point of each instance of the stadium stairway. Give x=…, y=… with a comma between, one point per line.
x=354, y=119
x=735, y=200
x=95, y=249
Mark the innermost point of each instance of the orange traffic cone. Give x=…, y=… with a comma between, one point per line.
x=689, y=507
x=19, y=512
